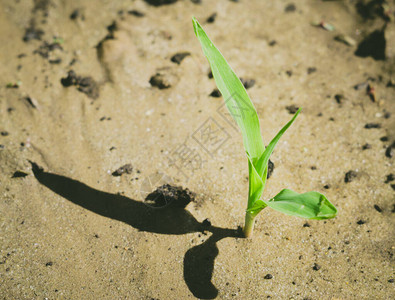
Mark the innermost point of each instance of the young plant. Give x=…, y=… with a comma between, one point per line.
x=311, y=205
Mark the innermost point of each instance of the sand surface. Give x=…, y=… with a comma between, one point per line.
x=74, y=230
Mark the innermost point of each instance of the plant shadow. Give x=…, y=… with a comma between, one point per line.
x=198, y=261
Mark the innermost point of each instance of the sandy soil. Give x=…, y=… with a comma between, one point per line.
x=75, y=230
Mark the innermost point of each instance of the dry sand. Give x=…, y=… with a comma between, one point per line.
x=75, y=231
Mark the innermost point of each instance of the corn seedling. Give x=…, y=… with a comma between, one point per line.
x=310, y=205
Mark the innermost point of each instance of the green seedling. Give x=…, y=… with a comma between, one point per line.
x=311, y=205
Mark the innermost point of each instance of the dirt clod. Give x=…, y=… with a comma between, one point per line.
x=76, y=14
x=169, y=196
x=86, y=85
x=125, y=169
x=159, y=81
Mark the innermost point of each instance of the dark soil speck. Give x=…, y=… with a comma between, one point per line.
x=32, y=33
x=76, y=14
x=178, y=58
x=292, y=109
x=211, y=19
x=311, y=70
x=339, y=98
x=378, y=208
x=361, y=222
x=247, y=82
x=136, y=13
x=270, y=169
x=45, y=49
x=268, y=276
x=389, y=152
x=366, y=146
x=316, y=267
x=290, y=8
x=372, y=125
x=215, y=93
x=160, y=2
x=86, y=85
x=350, y=176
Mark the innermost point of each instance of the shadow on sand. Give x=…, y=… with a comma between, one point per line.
x=198, y=261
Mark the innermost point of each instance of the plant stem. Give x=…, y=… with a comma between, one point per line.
x=249, y=224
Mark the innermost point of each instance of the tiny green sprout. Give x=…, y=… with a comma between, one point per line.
x=311, y=205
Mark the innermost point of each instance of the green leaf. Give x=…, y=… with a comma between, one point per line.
x=236, y=99
x=240, y=107
x=263, y=161
x=311, y=205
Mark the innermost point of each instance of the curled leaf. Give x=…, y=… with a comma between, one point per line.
x=310, y=205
